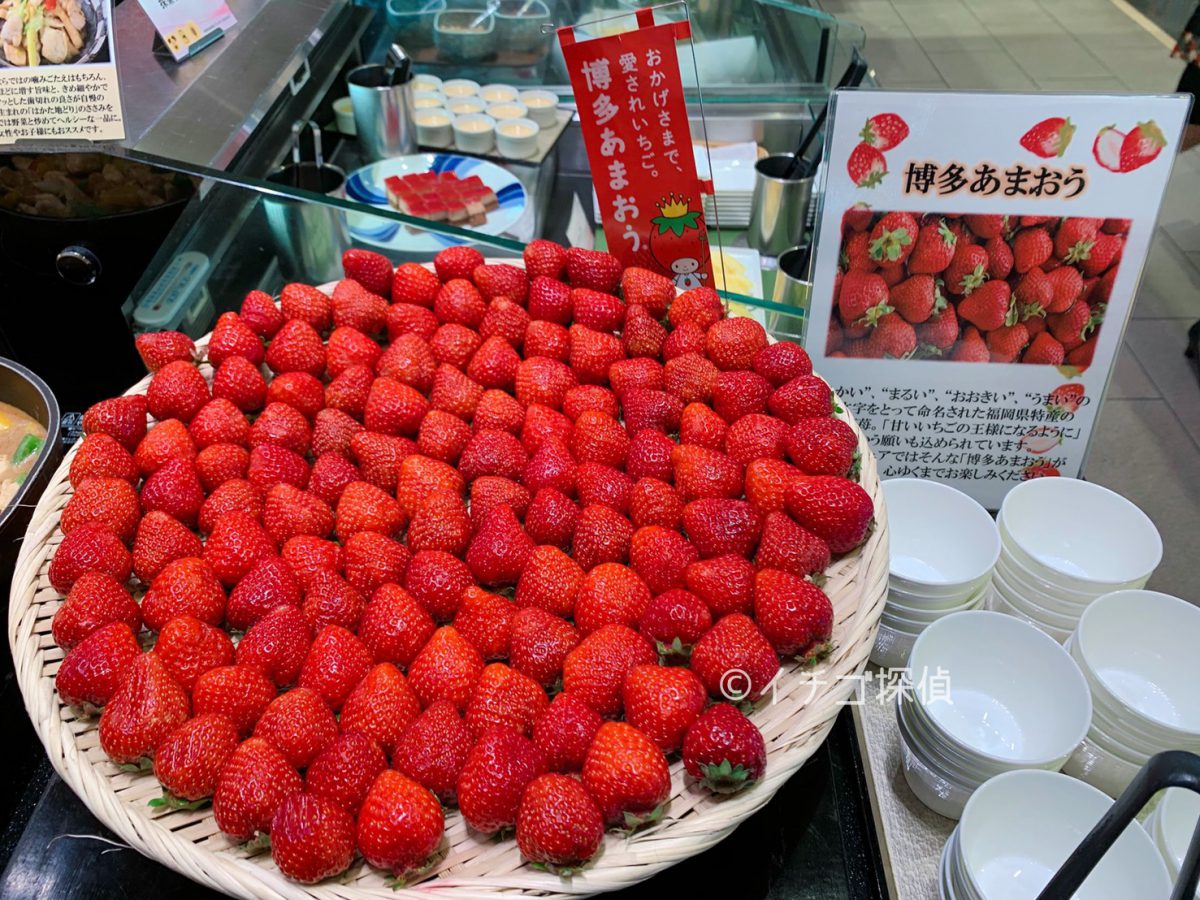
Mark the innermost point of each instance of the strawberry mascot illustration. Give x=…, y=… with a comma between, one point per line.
x=679, y=241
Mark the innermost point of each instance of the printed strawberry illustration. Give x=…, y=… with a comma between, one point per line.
x=1107, y=147
x=1049, y=138
x=1066, y=399
x=679, y=241
x=866, y=166
x=1041, y=439
x=1141, y=146
x=1040, y=469
x=884, y=131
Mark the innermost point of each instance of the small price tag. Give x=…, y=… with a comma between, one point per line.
x=181, y=38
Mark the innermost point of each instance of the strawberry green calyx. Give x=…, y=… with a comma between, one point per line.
x=1152, y=134
x=973, y=279
x=145, y=764
x=939, y=299
x=725, y=778
x=948, y=236
x=170, y=801
x=675, y=652
x=816, y=654
x=562, y=871
x=889, y=245
x=873, y=314
x=1080, y=251
x=1013, y=314
x=635, y=821
x=1032, y=311
x=677, y=225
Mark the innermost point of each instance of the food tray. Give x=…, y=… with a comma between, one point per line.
x=795, y=719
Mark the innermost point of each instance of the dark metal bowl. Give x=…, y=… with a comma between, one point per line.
x=26, y=391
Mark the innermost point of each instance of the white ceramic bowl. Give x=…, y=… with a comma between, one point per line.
x=474, y=133
x=1019, y=828
x=1067, y=600
x=998, y=603
x=1033, y=606
x=1069, y=530
x=944, y=757
x=945, y=882
x=517, y=138
x=1101, y=768
x=460, y=87
x=1017, y=698
x=465, y=106
x=892, y=647
x=901, y=606
x=1141, y=647
x=942, y=541
x=1177, y=814
x=542, y=106
x=920, y=600
x=428, y=100
x=423, y=81
x=932, y=785
x=434, y=127
x=498, y=93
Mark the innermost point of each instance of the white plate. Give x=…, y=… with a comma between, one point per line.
x=366, y=186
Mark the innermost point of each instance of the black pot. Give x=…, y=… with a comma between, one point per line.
x=27, y=392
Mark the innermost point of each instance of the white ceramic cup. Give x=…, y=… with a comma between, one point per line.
x=423, y=81
x=460, y=87
x=475, y=133
x=428, y=100
x=465, y=106
x=517, y=138
x=498, y=93
x=507, y=109
x=434, y=127
x=343, y=116
x=542, y=106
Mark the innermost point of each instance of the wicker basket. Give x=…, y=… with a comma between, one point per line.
x=794, y=718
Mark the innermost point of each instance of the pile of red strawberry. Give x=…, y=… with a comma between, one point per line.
x=973, y=288
x=457, y=492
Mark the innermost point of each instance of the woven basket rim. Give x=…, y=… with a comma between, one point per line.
x=795, y=717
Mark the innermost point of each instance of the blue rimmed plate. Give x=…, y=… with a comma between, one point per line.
x=366, y=185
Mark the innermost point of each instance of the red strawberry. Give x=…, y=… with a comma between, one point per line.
x=505, y=319
x=278, y=643
x=240, y=693
x=1005, y=345
x=494, y=364
x=565, y=731
x=500, y=411
x=988, y=307
x=734, y=660
x=892, y=338
x=169, y=440
x=1000, y=258
x=490, y=491
x=579, y=400
x=447, y=668
x=766, y=483
x=893, y=238
x=700, y=472
x=595, y=670
x=460, y=302
x=884, y=131
x=597, y=310
x=660, y=556
x=312, y=838
x=442, y=523
x=934, y=249
x=394, y=408
x=603, y=485
x=382, y=707
x=781, y=362
x=701, y=307
x=177, y=391
x=549, y=339
x=544, y=381
x=504, y=699
x=701, y=425
x=972, y=347
x=123, y=418
x=237, y=542
x=593, y=353
x=654, y=502
x=159, y=348
x=268, y=583
x=306, y=555
x=686, y=338
x=410, y=318
x=1103, y=256
x=330, y=600
x=89, y=548
x=822, y=446
x=497, y=771
x=299, y=725
x=95, y=600
x=549, y=581
x=1065, y=399
x=601, y=535
x=545, y=258
x=650, y=453
x=866, y=166
x=102, y=456
x=330, y=474
x=437, y=581
x=967, y=270
x=110, y=503
x=233, y=337
x=345, y=770
x=1075, y=238
x=336, y=662
x=663, y=702
x=356, y=307
x=552, y=518
x=219, y=422
x=986, y=226
x=189, y=648
x=1073, y=326
x=498, y=552
x=365, y=507
x=539, y=643
x=733, y=343
x=305, y=303
x=434, y=750
x=1049, y=138
x=549, y=300
x=627, y=774
x=863, y=298
x=593, y=269
x=838, y=511
x=283, y=426
x=492, y=452
x=559, y=825
x=1044, y=350
x=675, y=620
x=260, y=313
x=394, y=626
x=654, y=409
x=630, y=374
x=788, y=547
x=940, y=331
x=1066, y=286
x=372, y=270
x=296, y=348
x=691, y=378
x=610, y=593
x=803, y=397
x=917, y=299
x=1031, y=247
x=184, y=587
x=415, y=284
x=188, y=761
x=1141, y=146
x=348, y=347
x=148, y=706
x=253, y=783
x=794, y=614
x=649, y=290
x=724, y=750
x=442, y=436
x=719, y=526
x=94, y=668
x=485, y=621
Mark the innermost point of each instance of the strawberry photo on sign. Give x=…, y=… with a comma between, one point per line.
x=973, y=288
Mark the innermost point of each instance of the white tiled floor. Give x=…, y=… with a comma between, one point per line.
x=1147, y=443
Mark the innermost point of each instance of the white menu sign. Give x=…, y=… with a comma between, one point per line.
x=977, y=258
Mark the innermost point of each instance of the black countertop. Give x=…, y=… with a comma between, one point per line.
x=814, y=841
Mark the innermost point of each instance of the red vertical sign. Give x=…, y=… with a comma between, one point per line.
x=634, y=117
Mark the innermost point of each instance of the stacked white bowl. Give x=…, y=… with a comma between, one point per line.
x=943, y=547
x=1063, y=543
x=1009, y=697
x=1140, y=653
x=1020, y=827
x=1172, y=825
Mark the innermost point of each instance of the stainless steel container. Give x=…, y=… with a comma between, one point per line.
x=792, y=288
x=779, y=207
x=309, y=237
x=383, y=112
